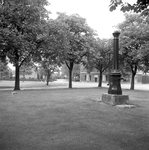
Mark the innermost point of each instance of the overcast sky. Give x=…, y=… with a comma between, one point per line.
x=96, y=13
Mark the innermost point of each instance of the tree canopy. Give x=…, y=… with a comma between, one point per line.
x=103, y=53
x=133, y=37
x=20, y=24
x=98, y=57
x=139, y=6
x=76, y=32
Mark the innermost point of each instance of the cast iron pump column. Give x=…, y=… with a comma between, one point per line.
x=115, y=76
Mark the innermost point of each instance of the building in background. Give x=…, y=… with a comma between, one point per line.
x=92, y=76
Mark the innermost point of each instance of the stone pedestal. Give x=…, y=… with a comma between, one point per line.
x=114, y=99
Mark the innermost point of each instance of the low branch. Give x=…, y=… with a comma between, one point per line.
x=22, y=62
x=67, y=65
x=104, y=68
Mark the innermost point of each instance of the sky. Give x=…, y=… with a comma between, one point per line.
x=96, y=13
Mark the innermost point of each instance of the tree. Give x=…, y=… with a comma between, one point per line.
x=103, y=57
x=145, y=57
x=76, y=31
x=48, y=67
x=49, y=48
x=98, y=56
x=89, y=58
x=21, y=22
x=132, y=38
x=139, y=6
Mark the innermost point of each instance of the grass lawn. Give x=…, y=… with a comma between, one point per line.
x=72, y=119
x=9, y=85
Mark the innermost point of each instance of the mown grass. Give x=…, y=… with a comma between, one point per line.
x=72, y=119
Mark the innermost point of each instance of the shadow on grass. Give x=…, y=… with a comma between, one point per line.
x=5, y=87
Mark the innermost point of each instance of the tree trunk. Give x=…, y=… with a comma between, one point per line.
x=134, y=71
x=17, y=77
x=132, y=81
x=48, y=77
x=70, y=74
x=100, y=79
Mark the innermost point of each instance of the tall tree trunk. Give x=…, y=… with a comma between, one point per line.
x=134, y=71
x=100, y=79
x=48, y=77
x=70, y=74
x=17, y=77
x=132, y=81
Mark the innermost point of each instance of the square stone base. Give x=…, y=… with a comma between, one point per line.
x=113, y=99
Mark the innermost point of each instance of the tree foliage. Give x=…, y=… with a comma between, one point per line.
x=139, y=6
x=76, y=32
x=133, y=37
x=20, y=24
x=103, y=57
x=98, y=57
x=51, y=43
x=89, y=58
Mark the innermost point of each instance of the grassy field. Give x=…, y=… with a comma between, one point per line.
x=72, y=119
x=9, y=85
